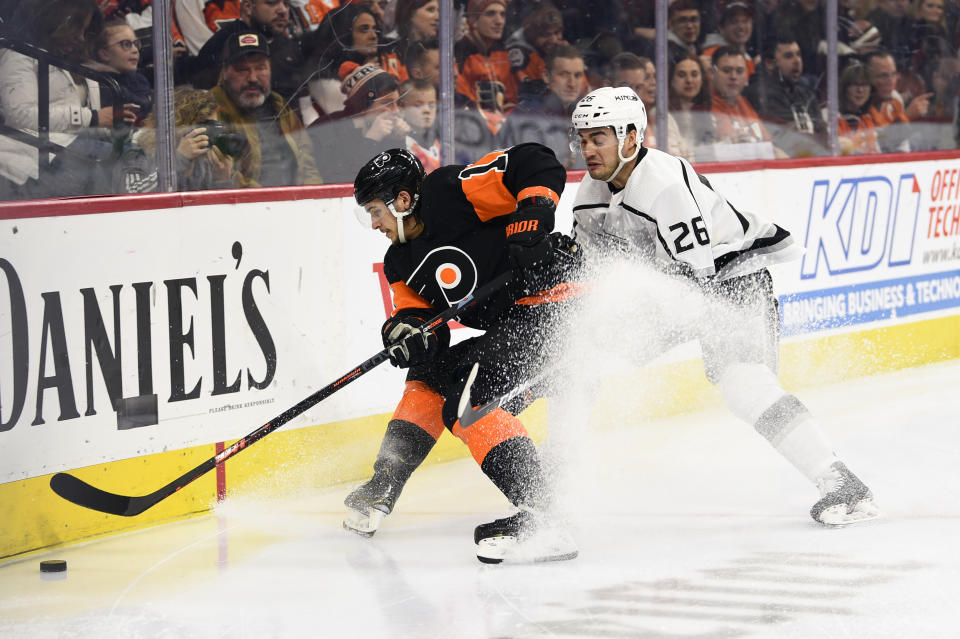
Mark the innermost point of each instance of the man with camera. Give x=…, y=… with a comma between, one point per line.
x=278, y=150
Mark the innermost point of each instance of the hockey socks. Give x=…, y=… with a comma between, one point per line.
x=529, y=535
x=753, y=393
x=410, y=437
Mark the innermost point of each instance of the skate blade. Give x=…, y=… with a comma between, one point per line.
x=838, y=517
x=363, y=523
x=508, y=550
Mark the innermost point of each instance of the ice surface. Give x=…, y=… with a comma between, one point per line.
x=688, y=527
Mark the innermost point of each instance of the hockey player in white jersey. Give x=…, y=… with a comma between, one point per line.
x=653, y=206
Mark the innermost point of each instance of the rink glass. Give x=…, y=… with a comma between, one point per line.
x=88, y=166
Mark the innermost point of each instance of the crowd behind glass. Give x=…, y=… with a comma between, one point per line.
x=290, y=92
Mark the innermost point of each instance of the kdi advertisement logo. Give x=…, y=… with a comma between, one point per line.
x=860, y=223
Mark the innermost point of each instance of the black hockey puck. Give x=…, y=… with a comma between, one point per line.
x=53, y=565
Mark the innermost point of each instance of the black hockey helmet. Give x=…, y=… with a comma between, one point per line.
x=387, y=174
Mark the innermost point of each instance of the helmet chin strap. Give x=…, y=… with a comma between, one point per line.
x=401, y=216
x=623, y=160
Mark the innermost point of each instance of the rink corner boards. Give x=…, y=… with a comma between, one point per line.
x=330, y=454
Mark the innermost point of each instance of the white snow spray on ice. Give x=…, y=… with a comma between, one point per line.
x=630, y=316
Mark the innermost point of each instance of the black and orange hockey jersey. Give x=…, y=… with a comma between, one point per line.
x=485, y=78
x=465, y=212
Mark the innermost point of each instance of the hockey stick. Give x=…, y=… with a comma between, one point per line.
x=469, y=415
x=83, y=494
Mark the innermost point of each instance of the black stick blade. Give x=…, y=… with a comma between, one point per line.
x=83, y=494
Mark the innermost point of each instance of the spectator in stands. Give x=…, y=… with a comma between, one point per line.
x=736, y=120
x=789, y=109
x=200, y=19
x=938, y=128
x=417, y=20
x=279, y=150
x=857, y=132
x=67, y=29
x=639, y=34
x=928, y=22
x=529, y=46
x=889, y=114
x=117, y=52
x=485, y=80
x=422, y=60
x=199, y=164
x=895, y=26
x=689, y=102
x=805, y=20
x=418, y=108
x=629, y=70
x=683, y=22
x=734, y=29
x=352, y=33
x=856, y=36
x=546, y=118
x=638, y=73
x=270, y=19
x=369, y=122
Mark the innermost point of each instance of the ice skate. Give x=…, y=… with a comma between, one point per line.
x=844, y=499
x=370, y=503
x=524, y=537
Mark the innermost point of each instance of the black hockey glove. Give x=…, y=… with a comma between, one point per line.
x=529, y=249
x=408, y=345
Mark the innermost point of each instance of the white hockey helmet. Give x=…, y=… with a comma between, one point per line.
x=616, y=107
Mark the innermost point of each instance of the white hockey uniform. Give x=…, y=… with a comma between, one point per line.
x=669, y=213
x=670, y=217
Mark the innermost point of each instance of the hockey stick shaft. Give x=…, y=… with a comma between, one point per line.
x=83, y=494
x=469, y=415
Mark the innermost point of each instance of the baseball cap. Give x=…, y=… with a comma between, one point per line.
x=725, y=8
x=240, y=45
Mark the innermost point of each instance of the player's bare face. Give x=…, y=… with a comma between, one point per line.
x=599, y=149
x=381, y=219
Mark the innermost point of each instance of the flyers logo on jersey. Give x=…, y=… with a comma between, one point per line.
x=445, y=273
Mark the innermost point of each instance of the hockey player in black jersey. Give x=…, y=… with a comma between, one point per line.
x=451, y=232
x=653, y=206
